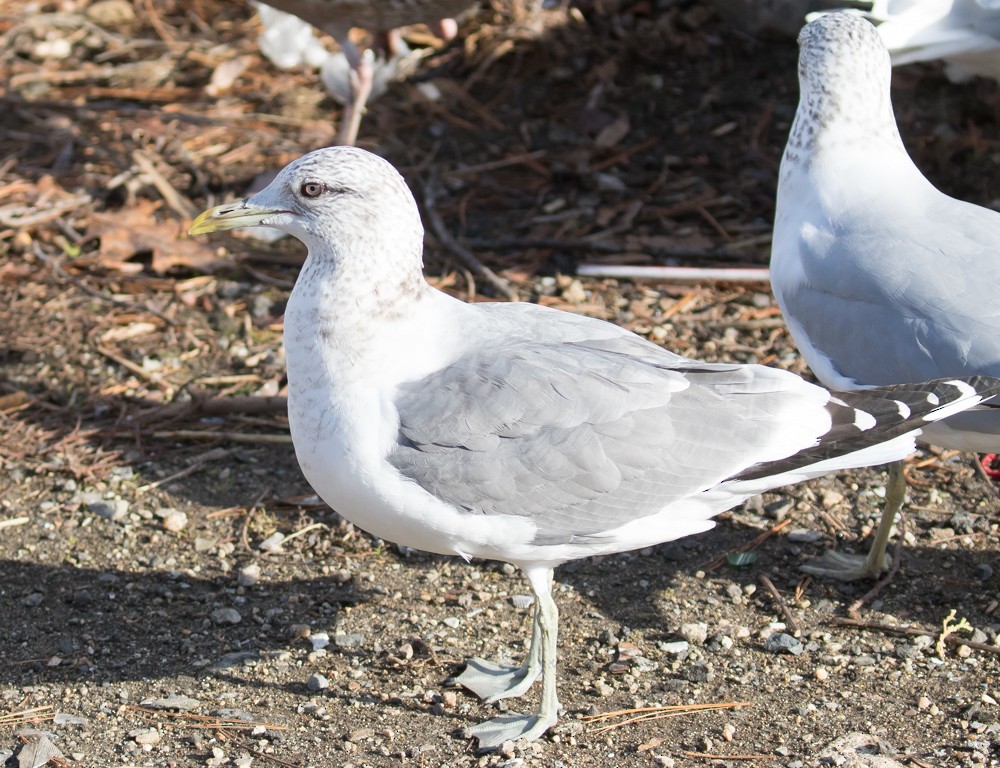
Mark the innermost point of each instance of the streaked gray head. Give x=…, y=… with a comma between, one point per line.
x=844, y=79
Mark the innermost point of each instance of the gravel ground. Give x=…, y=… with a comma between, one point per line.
x=172, y=596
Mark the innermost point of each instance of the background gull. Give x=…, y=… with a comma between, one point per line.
x=338, y=17
x=882, y=278
x=965, y=33
x=520, y=433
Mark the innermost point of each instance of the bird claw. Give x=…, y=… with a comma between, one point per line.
x=845, y=567
x=492, y=682
x=513, y=727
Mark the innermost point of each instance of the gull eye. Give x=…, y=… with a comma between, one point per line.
x=311, y=189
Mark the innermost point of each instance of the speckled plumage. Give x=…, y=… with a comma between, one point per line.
x=882, y=278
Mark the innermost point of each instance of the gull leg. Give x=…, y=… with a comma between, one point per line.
x=844, y=567
x=492, y=682
x=362, y=76
x=495, y=732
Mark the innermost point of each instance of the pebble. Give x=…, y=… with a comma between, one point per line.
x=115, y=510
x=695, y=633
x=804, y=536
x=781, y=642
x=602, y=688
x=678, y=648
x=319, y=640
x=145, y=736
x=923, y=702
x=273, y=542
x=174, y=701
x=226, y=616
x=318, y=682
x=174, y=520
x=111, y=13
x=728, y=731
x=248, y=575
x=821, y=674
x=830, y=498
x=349, y=640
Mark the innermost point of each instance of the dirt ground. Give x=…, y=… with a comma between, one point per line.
x=171, y=594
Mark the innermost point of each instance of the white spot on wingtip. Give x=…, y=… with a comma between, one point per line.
x=903, y=408
x=864, y=420
x=932, y=398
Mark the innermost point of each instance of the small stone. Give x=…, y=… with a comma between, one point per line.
x=226, y=616
x=319, y=640
x=821, y=674
x=602, y=688
x=115, y=510
x=248, y=575
x=175, y=520
x=695, y=633
x=452, y=621
x=145, y=736
x=830, y=498
x=728, y=731
x=34, y=599
x=963, y=651
x=923, y=702
x=662, y=761
x=174, y=701
x=804, y=536
x=678, y=648
x=111, y=14
x=318, y=682
x=299, y=631
x=349, y=640
x=781, y=642
x=984, y=571
x=273, y=542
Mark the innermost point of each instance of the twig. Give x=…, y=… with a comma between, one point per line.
x=449, y=242
x=707, y=756
x=642, y=714
x=676, y=274
x=33, y=715
x=907, y=630
x=232, y=437
x=782, y=606
x=616, y=247
x=715, y=562
x=14, y=521
x=194, y=466
x=65, y=277
x=303, y=531
x=174, y=199
x=203, y=721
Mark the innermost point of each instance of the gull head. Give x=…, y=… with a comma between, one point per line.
x=332, y=199
x=844, y=79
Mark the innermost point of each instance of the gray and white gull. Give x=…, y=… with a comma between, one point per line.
x=882, y=279
x=519, y=433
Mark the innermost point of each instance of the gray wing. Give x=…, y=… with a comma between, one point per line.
x=587, y=435
x=906, y=301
